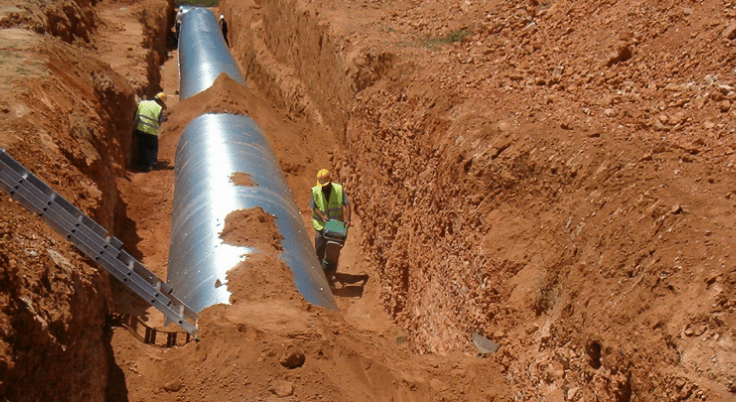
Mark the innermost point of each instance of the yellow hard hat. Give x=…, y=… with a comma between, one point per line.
x=161, y=96
x=324, y=177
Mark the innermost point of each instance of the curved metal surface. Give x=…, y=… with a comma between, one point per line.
x=203, y=54
x=212, y=148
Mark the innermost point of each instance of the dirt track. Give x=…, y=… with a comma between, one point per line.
x=555, y=176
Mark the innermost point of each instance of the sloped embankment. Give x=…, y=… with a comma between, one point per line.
x=550, y=188
x=67, y=117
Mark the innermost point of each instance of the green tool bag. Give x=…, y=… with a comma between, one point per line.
x=336, y=230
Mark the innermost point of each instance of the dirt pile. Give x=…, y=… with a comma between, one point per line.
x=252, y=228
x=269, y=344
x=243, y=179
x=224, y=96
x=555, y=176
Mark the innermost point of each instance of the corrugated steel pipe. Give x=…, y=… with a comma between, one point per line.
x=211, y=149
x=203, y=54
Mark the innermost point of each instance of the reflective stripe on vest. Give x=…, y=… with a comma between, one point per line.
x=147, y=117
x=333, y=208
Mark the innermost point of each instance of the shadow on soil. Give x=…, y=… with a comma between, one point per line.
x=350, y=285
x=125, y=300
x=117, y=389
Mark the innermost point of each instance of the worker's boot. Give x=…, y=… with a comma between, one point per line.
x=329, y=273
x=332, y=279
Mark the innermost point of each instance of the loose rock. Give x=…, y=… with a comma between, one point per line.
x=281, y=388
x=173, y=386
x=292, y=358
x=724, y=106
x=483, y=344
x=730, y=31
x=725, y=89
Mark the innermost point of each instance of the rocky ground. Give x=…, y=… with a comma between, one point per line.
x=555, y=176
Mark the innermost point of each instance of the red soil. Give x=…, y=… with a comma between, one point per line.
x=557, y=177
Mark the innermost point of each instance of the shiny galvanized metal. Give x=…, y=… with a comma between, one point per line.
x=203, y=54
x=212, y=148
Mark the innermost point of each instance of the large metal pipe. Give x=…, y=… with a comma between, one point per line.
x=203, y=54
x=211, y=149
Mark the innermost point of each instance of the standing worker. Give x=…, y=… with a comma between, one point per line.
x=223, y=28
x=148, y=119
x=329, y=201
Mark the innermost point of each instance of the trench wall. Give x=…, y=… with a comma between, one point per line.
x=68, y=118
x=542, y=238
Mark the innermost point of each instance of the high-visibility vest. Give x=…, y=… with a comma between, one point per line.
x=331, y=208
x=146, y=117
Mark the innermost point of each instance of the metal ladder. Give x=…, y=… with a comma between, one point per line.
x=93, y=240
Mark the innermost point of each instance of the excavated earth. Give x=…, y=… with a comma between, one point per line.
x=557, y=177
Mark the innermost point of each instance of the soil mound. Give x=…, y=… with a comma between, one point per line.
x=224, y=96
x=252, y=228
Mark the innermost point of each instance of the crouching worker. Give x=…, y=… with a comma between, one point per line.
x=329, y=201
x=148, y=119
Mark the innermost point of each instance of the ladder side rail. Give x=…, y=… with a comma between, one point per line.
x=42, y=187
x=56, y=200
x=60, y=220
x=72, y=217
x=81, y=217
x=35, y=199
x=83, y=240
x=19, y=170
x=165, y=288
x=144, y=272
x=56, y=197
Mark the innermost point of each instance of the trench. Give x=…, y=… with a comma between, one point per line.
x=402, y=154
x=367, y=363
x=143, y=222
x=358, y=297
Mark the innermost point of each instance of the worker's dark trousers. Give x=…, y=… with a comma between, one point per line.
x=147, y=150
x=320, y=245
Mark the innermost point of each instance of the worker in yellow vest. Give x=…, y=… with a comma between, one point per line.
x=329, y=201
x=148, y=119
x=223, y=28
